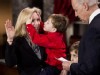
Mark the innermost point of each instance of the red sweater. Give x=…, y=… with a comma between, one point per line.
x=53, y=43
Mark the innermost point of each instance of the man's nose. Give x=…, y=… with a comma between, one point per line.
x=76, y=14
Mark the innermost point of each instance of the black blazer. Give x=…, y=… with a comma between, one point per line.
x=89, y=51
x=22, y=55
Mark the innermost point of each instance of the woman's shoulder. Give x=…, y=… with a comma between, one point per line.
x=19, y=38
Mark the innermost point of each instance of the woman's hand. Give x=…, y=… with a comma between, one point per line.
x=10, y=31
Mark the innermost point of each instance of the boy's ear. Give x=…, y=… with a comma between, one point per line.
x=54, y=29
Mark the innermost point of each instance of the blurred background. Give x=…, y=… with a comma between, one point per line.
x=9, y=9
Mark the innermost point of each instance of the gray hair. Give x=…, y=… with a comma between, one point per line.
x=90, y=2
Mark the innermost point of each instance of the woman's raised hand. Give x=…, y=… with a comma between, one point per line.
x=10, y=31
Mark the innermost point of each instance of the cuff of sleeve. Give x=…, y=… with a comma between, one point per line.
x=29, y=25
x=30, y=29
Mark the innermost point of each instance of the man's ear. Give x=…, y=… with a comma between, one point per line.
x=86, y=6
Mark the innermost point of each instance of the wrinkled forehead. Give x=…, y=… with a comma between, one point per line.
x=74, y=3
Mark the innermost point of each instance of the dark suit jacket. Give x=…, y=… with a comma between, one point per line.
x=22, y=55
x=89, y=51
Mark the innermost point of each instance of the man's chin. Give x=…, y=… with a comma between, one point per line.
x=84, y=22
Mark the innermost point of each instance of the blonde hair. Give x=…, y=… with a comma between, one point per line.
x=20, y=27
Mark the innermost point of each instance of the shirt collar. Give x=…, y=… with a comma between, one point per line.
x=96, y=12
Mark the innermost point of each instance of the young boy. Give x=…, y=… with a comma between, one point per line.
x=74, y=56
x=53, y=39
x=74, y=52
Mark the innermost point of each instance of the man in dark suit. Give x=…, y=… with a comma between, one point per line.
x=89, y=48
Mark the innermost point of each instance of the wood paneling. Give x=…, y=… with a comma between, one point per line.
x=4, y=70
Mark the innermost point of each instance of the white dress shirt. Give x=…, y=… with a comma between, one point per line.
x=96, y=12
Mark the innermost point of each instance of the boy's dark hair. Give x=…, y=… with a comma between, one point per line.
x=60, y=22
x=75, y=46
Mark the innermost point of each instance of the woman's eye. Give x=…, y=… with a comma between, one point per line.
x=32, y=20
x=38, y=19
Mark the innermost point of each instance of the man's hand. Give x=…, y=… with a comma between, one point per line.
x=66, y=65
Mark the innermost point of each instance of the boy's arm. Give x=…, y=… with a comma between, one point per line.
x=40, y=39
x=31, y=30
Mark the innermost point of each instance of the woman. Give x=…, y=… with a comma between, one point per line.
x=20, y=51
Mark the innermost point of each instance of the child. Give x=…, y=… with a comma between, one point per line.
x=53, y=39
x=74, y=52
x=74, y=56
